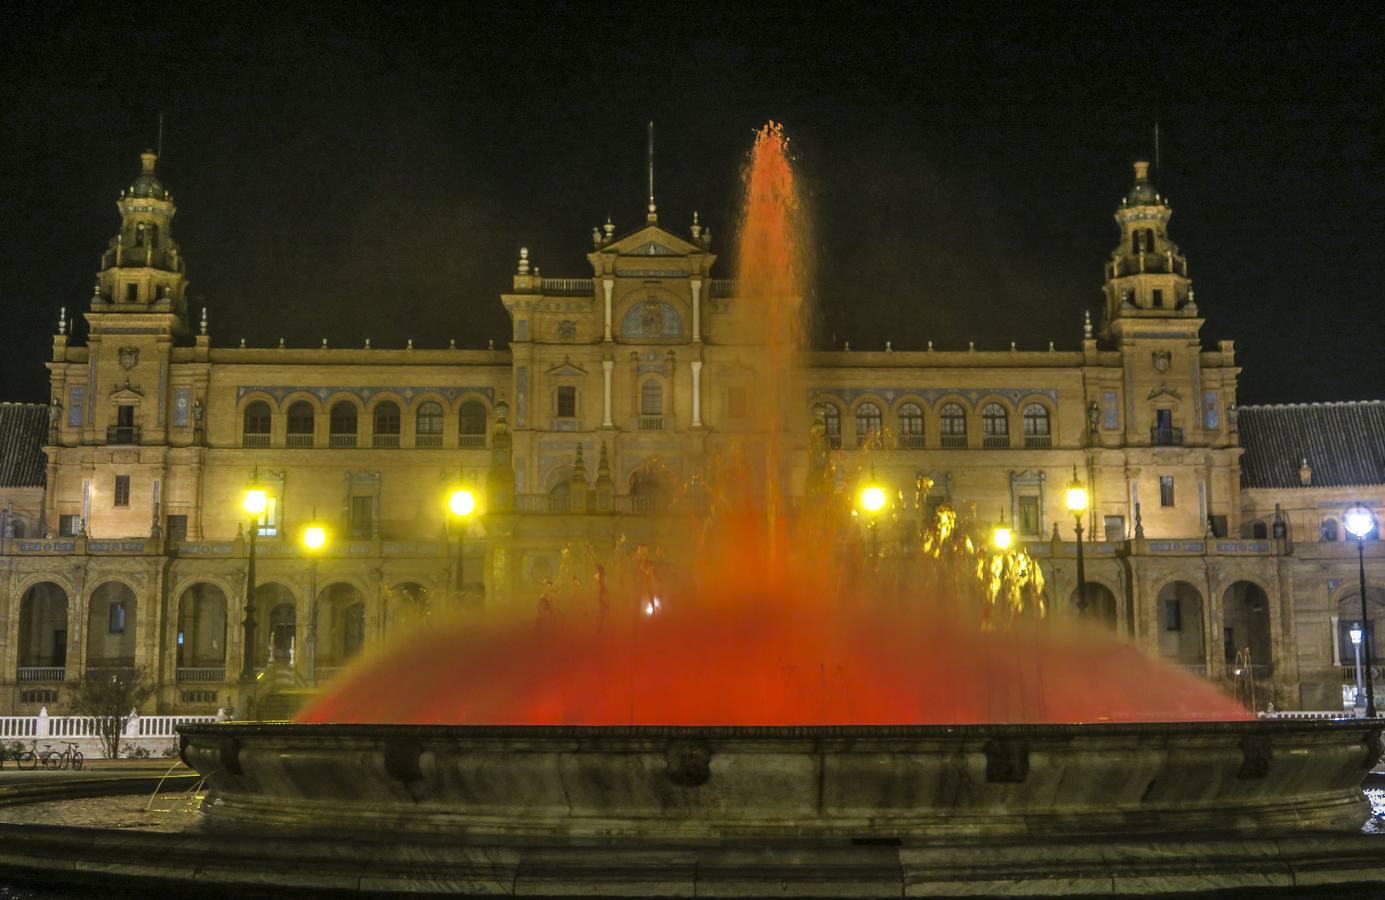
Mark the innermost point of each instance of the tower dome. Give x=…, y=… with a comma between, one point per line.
x=147, y=183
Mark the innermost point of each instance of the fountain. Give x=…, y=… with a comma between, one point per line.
x=771, y=705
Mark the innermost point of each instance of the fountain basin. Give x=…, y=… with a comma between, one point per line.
x=560, y=785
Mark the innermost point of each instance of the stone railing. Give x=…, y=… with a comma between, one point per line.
x=567, y=286
x=149, y=735
x=41, y=673
x=202, y=674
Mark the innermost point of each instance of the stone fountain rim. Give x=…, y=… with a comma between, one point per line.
x=985, y=730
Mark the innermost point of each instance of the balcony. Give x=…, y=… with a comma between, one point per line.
x=911, y=442
x=995, y=441
x=428, y=441
x=341, y=441
x=41, y=673
x=201, y=674
x=1038, y=442
x=254, y=440
x=122, y=434
x=300, y=441
x=471, y=441
x=651, y=423
x=385, y=442
x=954, y=442
x=834, y=441
x=1164, y=436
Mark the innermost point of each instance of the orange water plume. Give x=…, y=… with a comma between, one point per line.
x=762, y=609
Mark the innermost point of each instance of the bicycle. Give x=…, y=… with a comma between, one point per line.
x=23, y=759
x=69, y=758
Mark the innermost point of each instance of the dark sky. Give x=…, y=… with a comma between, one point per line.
x=371, y=171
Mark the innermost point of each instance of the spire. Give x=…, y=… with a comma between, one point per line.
x=141, y=270
x=1146, y=275
x=653, y=211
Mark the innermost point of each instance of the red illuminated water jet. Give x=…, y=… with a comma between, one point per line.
x=768, y=611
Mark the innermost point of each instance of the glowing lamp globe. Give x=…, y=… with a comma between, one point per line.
x=255, y=501
x=462, y=502
x=1359, y=522
x=873, y=499
x=1002, y=538
x=314, y=537
x=1077, y=494
x=1355, y=635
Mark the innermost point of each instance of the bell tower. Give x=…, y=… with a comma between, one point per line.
x=1146, y=276
x=142, y=270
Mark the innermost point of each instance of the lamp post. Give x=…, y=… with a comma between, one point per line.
x=255, y=501
x=873, y=500
x=1002, y=537
x=1077, y=505
x=1360, y=524
x=461, y=504
x=314, y=540
x=1360, y=685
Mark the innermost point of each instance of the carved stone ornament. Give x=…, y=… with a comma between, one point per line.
x=1162, y=360
x=567, y=330
x=129, y=357
x=651, y=318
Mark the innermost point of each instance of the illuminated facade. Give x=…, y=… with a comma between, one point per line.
x=131, y=548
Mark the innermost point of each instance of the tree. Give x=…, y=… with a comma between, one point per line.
x=109, y=699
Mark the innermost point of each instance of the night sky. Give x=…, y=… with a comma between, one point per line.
x=371, y=171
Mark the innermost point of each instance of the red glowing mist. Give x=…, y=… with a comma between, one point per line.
x=762, y=610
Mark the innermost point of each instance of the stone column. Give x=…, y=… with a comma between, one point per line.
x=609, y=284
x=607, y=365
x=696, y=383
x=697, y=312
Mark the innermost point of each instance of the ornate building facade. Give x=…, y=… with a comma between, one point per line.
x=1215, y=536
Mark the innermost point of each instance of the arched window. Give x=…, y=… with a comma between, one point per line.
x=1036, y=427
x=868, y=422
x=342, y=423
x=428, y=425
x=953, y=420
x=300, y=424
x=831, y=422
x=911, y=427
x=386, y=431
x=256, y=432
x=471, y=425
x=995, y=426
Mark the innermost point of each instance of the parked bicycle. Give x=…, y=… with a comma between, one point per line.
x=70, y=758
x=23, y=759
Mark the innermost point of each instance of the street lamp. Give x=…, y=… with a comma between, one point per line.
x=873, y=500
x=1002, y=537
x=1355, y=633
x=1360, y=524
x=255, y=502
x=314, y=541
x=1077, y=505
x=461, y=504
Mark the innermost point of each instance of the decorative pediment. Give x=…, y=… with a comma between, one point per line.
x=566, y=368
x=1163, y=390
x=126, y=393
x=651, y=241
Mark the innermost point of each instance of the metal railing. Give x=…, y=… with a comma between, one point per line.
x=995, y=441
x=122, y=434
x=471, y=441
x=428, y=441
x=911, y=442
x=1166, y=437
x=385, y=442
x=41, y=673
x=651, y=423
x=254, y=440
x=723, y=287
x=834, y=441
x=300, y=441
x=1038, y=441
x=954, y=441
x=341, y=440
x=201, y=673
